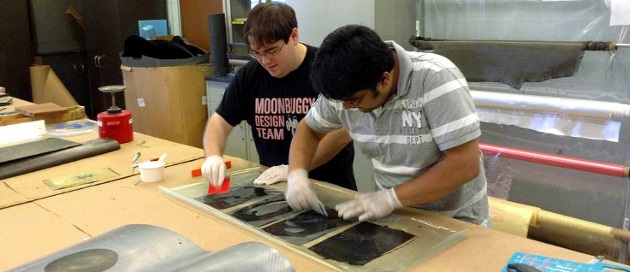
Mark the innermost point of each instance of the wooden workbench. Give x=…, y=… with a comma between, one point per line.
x=36, y=221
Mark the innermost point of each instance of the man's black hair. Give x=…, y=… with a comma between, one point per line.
x=351, y=58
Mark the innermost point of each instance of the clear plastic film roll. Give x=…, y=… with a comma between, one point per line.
x=552, y=49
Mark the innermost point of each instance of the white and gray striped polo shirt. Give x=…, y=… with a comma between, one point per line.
x=431, y=111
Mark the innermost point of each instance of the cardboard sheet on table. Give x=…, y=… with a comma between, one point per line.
x=129, y=203
x=40, y=109
x=8, y=195
x=31, y=185
x=30, y=232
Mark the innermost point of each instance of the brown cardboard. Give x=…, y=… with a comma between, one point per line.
x=31, y=186
x=9, y=196
x=47, y=87
x=29, y=231
x=75, y=112
x=168, y=102
x=41, y=109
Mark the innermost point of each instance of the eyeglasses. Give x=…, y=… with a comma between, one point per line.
x=354, y=102
x=267, y=54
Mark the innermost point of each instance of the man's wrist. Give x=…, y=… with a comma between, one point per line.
x=298, y=172
x=392, y=198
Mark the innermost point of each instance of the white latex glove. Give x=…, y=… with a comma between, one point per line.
x=213, y=169
x=300, y=194
x=273, y=175
x=369, y=206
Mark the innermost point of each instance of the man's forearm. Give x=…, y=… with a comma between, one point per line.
x=459, y=166
x=303, y=147
x=215, y=135
x=329, y=146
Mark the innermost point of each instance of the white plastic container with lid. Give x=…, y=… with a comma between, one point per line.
x=152, y=171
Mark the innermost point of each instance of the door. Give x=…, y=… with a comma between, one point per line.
x=107, y=24
x=71, y=70
x=16, y=54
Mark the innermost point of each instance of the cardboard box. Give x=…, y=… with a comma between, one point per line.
x=168, y=102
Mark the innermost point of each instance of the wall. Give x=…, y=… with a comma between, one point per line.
x=194, y=20
x=174, y=17
x=317, y=18
x=392, y=20
x=396, y=20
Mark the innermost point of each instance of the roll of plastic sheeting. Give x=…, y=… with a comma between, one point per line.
x=88, y=149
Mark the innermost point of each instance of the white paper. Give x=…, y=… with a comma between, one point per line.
x=22, y=132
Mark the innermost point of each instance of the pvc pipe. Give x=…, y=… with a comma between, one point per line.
x=546, y=104
x=591, y=166
x=237, y=62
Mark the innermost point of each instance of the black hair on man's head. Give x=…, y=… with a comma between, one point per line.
x=351, y=58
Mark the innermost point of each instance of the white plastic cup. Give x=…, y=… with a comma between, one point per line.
x=151, y=171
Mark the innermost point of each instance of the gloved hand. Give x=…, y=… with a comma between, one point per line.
x=273, y=175
x=300, y=194
x=368, y=206
x=213, y=169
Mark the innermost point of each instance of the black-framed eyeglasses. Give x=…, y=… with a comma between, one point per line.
x=353, y=101
x=267, y=54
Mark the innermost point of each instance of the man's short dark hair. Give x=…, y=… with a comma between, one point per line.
x=351, y=58
x=269, y=22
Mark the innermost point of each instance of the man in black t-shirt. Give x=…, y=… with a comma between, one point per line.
x=273, y=94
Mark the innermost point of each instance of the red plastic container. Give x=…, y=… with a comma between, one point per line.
x=117, y=126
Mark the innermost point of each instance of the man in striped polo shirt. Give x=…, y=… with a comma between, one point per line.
x=410, y=113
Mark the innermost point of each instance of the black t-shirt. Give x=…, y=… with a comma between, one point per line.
x=273, y=107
